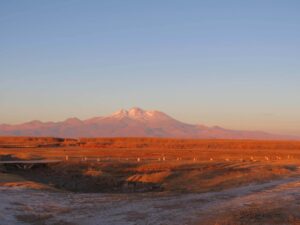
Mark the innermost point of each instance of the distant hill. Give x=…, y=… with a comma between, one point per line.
x=130, y=123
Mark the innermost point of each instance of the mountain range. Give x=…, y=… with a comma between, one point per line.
x=135, y=122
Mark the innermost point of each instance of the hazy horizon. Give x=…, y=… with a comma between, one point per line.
x=225, y=63
x=135, y=113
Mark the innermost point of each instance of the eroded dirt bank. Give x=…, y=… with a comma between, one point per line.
x=134, y=177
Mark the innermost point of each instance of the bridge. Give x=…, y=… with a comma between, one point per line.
x=27, y=164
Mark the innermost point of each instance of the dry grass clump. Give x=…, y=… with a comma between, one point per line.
x=92, y=172
x=158, y=177
x=36, y=142
x=27, y=185
x=172, y=143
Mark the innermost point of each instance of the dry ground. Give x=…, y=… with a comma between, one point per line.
x=154, y=181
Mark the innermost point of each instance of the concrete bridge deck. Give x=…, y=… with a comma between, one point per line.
x=28, y=164
x=43, y=161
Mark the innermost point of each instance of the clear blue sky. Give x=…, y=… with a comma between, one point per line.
x=230, y=63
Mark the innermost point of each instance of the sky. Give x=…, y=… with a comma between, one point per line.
x=229, y=63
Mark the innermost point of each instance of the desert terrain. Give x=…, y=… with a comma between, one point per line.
x=132, y=181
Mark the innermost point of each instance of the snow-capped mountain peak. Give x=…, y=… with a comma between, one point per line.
x=136, y=114
x=120, y=114
x=134, y=122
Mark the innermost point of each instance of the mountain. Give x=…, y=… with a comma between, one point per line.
x=130, y=123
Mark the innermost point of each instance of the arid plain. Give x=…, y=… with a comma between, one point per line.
x=149, y=181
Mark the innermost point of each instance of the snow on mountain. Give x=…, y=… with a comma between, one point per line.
x=134, y=122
